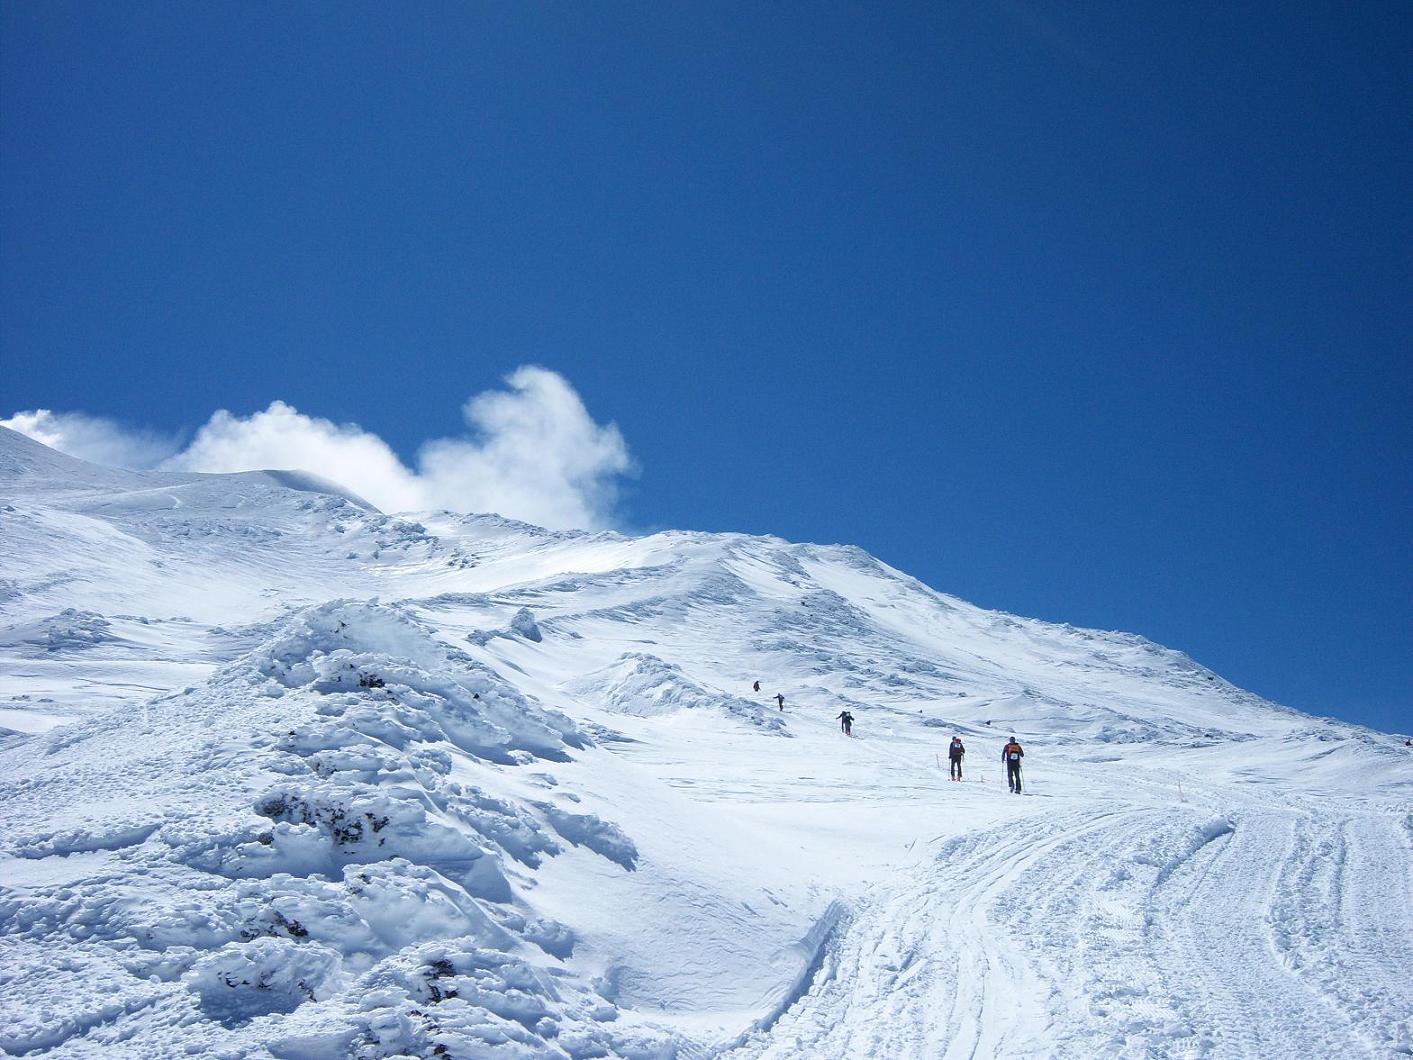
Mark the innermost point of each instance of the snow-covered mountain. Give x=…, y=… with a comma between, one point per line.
x=283, y=776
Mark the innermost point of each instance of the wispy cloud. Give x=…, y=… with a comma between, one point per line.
x=283, y=438
x=533, y=452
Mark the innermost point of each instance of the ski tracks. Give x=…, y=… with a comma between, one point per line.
x=1213, y=934
x=1084, y=914
x=925, y=970
x=1338, y=918
x=1139, y=932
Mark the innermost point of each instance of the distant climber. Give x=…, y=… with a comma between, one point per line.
x=955, y=753
x=1011, y=755
x=755, y=687
x=780, y=699
x=846, y=722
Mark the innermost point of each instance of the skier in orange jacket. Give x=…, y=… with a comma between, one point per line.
x=1012, y=754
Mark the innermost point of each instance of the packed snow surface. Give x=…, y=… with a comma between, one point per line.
x=284, y=776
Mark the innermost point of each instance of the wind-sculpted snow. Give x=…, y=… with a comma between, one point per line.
x=522, y=624
x=642, y=684
x=335, y=647
x=538, y=807
x=70, y=630
x=318, y=837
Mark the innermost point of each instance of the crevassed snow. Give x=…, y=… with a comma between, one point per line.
x=283, y=776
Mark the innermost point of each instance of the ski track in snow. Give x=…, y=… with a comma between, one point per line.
x=1124, y=933
x=1342, y=892
x=560, y=823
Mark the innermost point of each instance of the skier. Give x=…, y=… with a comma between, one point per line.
x=846, y=722
x=756, y=686
x=1012, y=754
x=780, y=698
x=954, y=755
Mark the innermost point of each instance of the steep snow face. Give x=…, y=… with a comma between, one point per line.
x=286, y=776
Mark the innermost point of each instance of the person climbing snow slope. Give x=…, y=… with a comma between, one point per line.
x=955, y=752
x=1011, y=755
x=780, y=698
x=846, y=722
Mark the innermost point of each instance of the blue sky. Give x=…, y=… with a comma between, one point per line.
x=1096, y=315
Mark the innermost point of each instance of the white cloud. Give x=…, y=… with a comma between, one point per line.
x=93, y=438
x=282, y=438
x=534, y=453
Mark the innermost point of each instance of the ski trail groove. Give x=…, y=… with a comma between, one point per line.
x=1141, y=932
x=919, y=971
x=1217, y=927
x=1338, y=905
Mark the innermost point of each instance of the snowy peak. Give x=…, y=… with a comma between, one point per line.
x=843, y=625
x=30, y=466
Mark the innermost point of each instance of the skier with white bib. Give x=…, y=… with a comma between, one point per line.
x=955, y=753
x=1011, y=755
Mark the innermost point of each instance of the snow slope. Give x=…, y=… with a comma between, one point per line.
x=284, y=776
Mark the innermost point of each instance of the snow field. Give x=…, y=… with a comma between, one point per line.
x=532, y=807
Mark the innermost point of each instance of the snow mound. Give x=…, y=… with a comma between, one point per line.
x=522, y=626
x=70, y=630
x=308, y=482
x=322, y=836
x=589, y=830
x=443, y=693
x=247, y=979
x=523, y=622
x=644, y=685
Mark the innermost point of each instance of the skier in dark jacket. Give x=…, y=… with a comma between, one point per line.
x=780, y=699
x=846, y=722
x=955, y=752
x=756, y=687
x=1012, y=754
